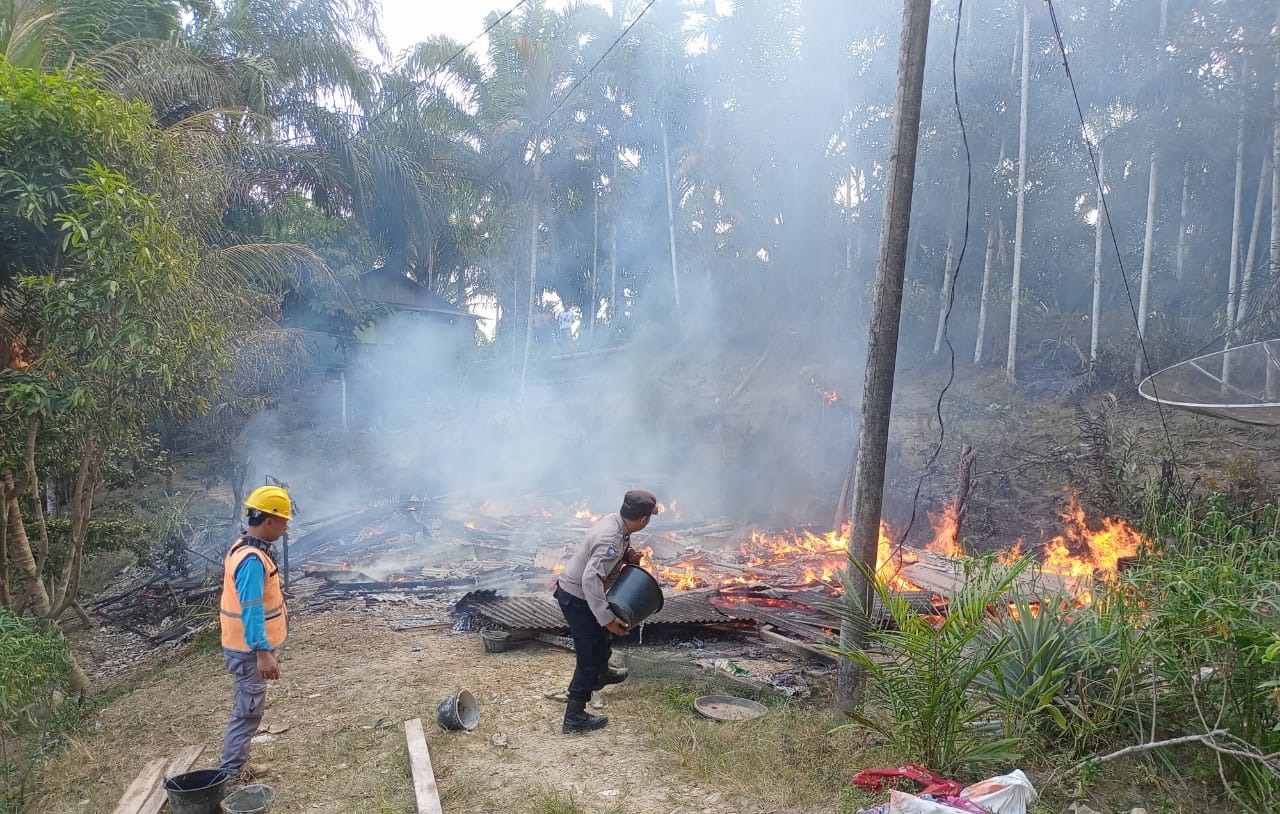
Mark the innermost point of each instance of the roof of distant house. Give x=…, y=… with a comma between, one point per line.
x=397, y=291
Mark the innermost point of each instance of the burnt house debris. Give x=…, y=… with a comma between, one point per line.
x=446, y=564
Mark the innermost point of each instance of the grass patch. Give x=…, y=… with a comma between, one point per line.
x=550, y=801
x=789, y=758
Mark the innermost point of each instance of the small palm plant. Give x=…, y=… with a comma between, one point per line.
x=929, y=672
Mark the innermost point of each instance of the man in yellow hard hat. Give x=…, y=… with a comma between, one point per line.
x=254, y=618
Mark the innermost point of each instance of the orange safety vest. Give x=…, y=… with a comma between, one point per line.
x=277, y=615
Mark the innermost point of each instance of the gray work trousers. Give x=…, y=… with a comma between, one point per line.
x=246, y=709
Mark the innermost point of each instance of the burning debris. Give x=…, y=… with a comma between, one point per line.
x=409, y=561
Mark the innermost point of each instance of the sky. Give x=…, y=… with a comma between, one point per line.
x=408, y=22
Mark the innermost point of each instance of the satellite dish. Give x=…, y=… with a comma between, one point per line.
x=1240, y=384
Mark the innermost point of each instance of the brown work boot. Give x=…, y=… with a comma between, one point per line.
x=577, y=719
x=253, y=772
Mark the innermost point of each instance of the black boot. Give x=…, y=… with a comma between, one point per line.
x=611, y=676
x=577, y=719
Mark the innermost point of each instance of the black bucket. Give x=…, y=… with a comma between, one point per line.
x=459, y=711
x=635, y=595
x=197, y=792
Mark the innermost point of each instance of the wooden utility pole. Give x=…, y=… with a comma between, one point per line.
x=882, y=344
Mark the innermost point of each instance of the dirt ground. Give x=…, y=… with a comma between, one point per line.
x=347, y=686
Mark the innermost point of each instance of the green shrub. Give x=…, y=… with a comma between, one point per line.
x=1210, y=604
x=34, y=668
x=931, y=672
x=1071, y=676
x=33, y=665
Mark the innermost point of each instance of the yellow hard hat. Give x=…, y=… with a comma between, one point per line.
x=271, y=500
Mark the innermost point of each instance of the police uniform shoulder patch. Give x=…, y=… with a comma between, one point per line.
x=612, y=551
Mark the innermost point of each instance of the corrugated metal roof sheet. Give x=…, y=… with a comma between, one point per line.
x=541, y=612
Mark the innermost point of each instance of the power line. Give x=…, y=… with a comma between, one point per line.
x=537, y=129
x=434, y=71
x=1115, y=242
x=955, y=273
x=592, y=69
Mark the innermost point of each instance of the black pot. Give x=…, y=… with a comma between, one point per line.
x=635, y=595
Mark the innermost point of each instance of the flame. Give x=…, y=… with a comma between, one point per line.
x=830, y=395
x=1010, y=555
x=813, y=559
x=681, y=581
x=1083, y=553
x=586, y=514
x=946, y=529
x=15, y=356
x=471, y=524
x=558, y=568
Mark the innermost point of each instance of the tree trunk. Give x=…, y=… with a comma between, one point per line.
x=707, y=160
x=33, y=485
x=882, y=347
x=995, y=222
x=1251, y=256
x=944, y=301
x=6, y=597
x=671, y=212
x=68, y=583
x=1274, y=243
x=1095, y=315
x=34, y=596
x=590, y=315
x=613, y=248
x=1237, y=216
x=1145, y=287
x=1273, y=380
x=1181, y=254
x=1015, y=290
x=533, y=282
x=852, y=176
x=987, y=262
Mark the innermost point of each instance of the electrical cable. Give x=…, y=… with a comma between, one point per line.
x=537, y=130
x=1115, y=242
x=955, y=273
x=434, y=71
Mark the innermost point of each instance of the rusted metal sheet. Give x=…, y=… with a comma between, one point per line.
x=543, y=612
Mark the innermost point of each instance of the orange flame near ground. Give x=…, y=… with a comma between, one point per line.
x=831, y=396
x=813, y=558
x=1010, y=555
x=1082, y=553
x=946, y=532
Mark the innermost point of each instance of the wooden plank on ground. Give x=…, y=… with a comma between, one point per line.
x=141, y=787
x=795, y=647
x=424, y=777
x=178, y=764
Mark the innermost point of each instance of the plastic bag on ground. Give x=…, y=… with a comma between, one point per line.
x=1007, y=794
x=902, y=803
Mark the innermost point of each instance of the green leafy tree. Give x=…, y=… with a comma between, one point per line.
x=100, y=291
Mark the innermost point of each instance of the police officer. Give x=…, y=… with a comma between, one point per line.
x=581, y=589
x=254, y=619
